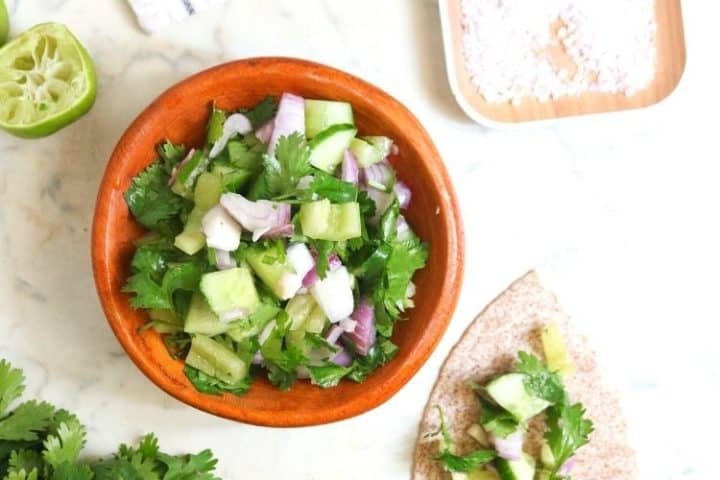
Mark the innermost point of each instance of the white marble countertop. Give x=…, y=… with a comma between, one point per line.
x=620, y=212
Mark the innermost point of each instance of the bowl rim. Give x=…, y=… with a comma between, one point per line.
x=448, y=297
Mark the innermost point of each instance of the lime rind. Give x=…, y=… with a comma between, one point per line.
x=47, y=81
x=4, y=23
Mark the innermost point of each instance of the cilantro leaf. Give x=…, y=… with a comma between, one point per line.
x=151, y=200
x=497, y=420
x=72, y=471
x=467, y=462
x=262, y=112
x=171, y=155
x=382, y=352
x=407, y=257
x=149, y=293
x=207, y=384
x=290, y=163
x=189, y=467
x=66, y=445
x=327, y=375
x=11, y=385
x=324, y=249
x=568, y=430
x=457, y=463
x=388, y=221
x=246, y=156
x=27, y=460
x=27, y=421
x=327, y=186
x=539, y=380
x=22, y=475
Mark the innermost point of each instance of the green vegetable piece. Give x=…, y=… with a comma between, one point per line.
x=273, y=269
x=230, y=290
x=231, y=179
x=384, y=144
x=328, y=147
x=191, y=240
x=287, y=166
x=365, y=152
x=189, y=173
x=254, y=324
x=216, y=360
x=151, y=201
x=321, y=114
x=522, y=469
x=262, y=112
x=207, y=191
x=325, y=221
x=509, y=392
x=4, y=23
x=215, y=125
x=201, y=319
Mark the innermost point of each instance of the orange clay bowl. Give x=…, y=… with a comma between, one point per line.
x=180, y=115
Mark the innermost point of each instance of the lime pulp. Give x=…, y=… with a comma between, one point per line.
x=4, y=23
x=47, y=81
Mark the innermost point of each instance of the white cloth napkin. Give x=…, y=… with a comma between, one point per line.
x=153, y=15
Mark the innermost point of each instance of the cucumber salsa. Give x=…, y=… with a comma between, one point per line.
x=508, y=403
x=277, y=247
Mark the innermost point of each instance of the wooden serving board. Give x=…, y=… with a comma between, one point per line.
x=669, y=68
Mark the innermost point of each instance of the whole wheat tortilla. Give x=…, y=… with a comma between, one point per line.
x=489, y=346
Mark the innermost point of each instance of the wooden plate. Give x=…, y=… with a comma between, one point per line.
x=180, y=114
x=669, y=69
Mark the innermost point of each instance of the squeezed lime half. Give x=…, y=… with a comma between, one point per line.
x=4, y=23
x=47, y=81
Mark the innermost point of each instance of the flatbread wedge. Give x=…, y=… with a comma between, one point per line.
x=511, y=323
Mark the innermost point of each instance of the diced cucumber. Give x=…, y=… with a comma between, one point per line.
x=230, y=290
x=254, y=324
x=365, y=152
x=298, y=309
x=192, y=240
x=328, y=147
x=555, y=349
x=315, y=322
x=208, y=189
x=324, y=221
x=201, y=319
x=321, y=114
x=509, y=392
x=275, y=272
x=384, y=144
x=165, y=321
x=546, y=456
x=216, y=360
x=522, y=469
x=188, y=173
x=232, y=179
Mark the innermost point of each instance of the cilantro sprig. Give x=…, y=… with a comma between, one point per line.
x=39, y=441
x=458, y=463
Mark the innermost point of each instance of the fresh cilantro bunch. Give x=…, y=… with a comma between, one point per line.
x=39, y=441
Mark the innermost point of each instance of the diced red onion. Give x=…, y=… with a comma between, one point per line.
x=348, y=325
x=300, y=259
x=180, y=165
x=223, y=260
x=312, y=276
x=265, y=132
x=382, y=201
x=402, y=229
x=288, y=285
x=303, y=373
x=234, y=124
x=258, y=359
x=365, y=334
x=263, y=217
x=333, y=334
x=342, y=358
x=410, y=292
x=567, y=467
x=350, y=170
x=283, y=231
x=510, y=447
x=403, y=194
x=290, y=118
x=379, y=176
x=334, y=294
x=221, y=230
x=394, y=149
x=234, y=314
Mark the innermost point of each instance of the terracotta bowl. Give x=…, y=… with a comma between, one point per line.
x=180, y=114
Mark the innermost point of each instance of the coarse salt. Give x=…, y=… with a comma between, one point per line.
x=515, y=49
